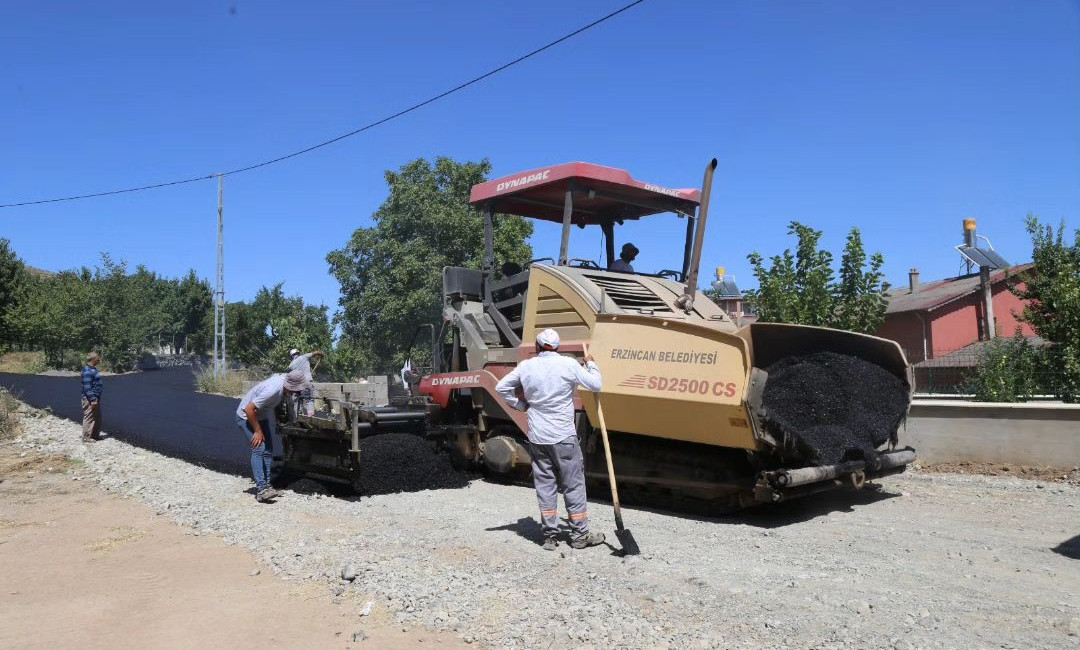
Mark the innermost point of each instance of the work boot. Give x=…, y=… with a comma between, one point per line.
x=588, y=539
x=265, y=495
x=550, y=543
x=271, y=493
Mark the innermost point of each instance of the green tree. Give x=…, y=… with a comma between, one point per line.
x=1051, y=290
x=262, y=333
x=196, y=314
x=801, y=286
x=391, y=272
x=13, y=285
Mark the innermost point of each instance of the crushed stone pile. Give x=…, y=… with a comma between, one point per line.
x=832, y=408
x=401, y=462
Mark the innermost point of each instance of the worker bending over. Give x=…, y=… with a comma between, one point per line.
x=548, y=381
x=254, y=415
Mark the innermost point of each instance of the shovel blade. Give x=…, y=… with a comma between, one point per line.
x=627, y=541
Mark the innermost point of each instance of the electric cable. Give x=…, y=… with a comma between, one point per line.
x=343, y=136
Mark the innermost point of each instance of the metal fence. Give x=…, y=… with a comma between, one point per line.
x=957, y=372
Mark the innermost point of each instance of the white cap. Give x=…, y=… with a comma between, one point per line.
x=549, y=338
x=293, y=352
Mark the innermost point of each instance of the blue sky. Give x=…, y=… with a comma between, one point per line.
x=899, y=117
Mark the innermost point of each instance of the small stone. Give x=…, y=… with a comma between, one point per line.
x=254, y=572
x=348, y=573
x=366, y=611
x=468, y=639
x=359, y=635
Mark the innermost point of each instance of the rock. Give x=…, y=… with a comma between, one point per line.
x=359, y=635
x=366, y=611
x=255, y=572
x=348, y=573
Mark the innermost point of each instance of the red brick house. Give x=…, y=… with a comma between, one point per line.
x=938, y=323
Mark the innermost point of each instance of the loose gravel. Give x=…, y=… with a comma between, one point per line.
x=928, y=561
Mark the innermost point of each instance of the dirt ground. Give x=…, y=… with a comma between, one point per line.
x=1048, y=474
x=86, y=569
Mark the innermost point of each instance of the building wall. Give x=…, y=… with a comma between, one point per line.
x=907, y=330
x=955, y=325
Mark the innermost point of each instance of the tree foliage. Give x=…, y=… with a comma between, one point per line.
x=391, y=272
x=801, y=287
x=13, y=280
x=109, y=309
x=262, y=333
x=1009, y=370
x=1051, y=290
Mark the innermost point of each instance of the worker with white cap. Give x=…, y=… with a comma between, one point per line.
x=254, y=415
x=547, y=382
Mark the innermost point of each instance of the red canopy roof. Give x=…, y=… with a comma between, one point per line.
x=600, y=193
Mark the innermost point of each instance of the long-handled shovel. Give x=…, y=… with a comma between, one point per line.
x=625, y=537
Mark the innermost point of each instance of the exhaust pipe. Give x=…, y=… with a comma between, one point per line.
x=685, y=302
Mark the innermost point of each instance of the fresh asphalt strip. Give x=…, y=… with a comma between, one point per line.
x=157, y=410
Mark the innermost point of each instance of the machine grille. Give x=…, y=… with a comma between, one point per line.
x=629, y=294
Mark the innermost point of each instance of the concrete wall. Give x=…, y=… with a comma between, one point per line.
x=943, y=431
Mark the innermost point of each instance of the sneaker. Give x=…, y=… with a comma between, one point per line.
x=550, y=543
x=588, y=539
x=271, y=493
x=265, y=495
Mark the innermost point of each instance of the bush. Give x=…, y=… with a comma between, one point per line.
x=1011, y=370
x=9, y=416
x=230, y=384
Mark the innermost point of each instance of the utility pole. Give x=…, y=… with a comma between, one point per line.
x=219, y=291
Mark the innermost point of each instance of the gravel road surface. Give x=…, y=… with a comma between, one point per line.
x=928, y=561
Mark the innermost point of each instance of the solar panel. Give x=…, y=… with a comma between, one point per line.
x=983, y=257
x=726, y=288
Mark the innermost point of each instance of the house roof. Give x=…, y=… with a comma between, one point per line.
x=931, y=295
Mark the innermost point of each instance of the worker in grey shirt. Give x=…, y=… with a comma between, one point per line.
x=254, y=415
x=303, y=362
x=548, y=381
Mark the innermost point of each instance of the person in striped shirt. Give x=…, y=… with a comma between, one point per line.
x=91, y=399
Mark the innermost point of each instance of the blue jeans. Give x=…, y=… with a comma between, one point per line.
x=261, y=456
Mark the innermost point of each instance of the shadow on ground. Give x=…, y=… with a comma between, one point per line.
x=1070, y=548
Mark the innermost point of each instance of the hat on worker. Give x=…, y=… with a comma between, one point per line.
x=630, y=248
x=549, y=338
x=293, y=352
x=296, y=380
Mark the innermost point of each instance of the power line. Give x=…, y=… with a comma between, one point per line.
x=343, y=136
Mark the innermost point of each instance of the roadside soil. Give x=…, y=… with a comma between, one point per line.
x=1070, y=475
x=88, y=569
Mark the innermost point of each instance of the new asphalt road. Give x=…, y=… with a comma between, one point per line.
x=157, y=410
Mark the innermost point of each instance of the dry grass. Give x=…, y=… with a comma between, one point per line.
x=26, y=363
x=9, y=416
x=230, y=385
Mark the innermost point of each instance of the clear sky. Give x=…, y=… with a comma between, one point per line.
x=899, y=117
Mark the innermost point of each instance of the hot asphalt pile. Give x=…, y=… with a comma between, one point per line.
x=401, y=462
x=832, y=407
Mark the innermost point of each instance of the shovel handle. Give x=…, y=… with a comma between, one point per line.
x=610, y=465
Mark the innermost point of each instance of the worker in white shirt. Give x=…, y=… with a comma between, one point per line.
x=627, y=255
x=547, y=382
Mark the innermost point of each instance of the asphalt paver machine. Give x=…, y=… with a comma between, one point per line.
x=686, y=390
